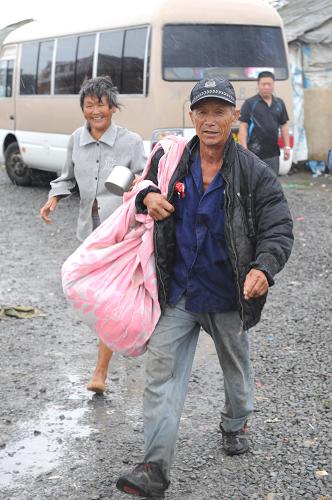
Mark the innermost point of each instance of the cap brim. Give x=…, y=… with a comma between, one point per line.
x=229, y=101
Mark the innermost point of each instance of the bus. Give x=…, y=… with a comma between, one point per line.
x=154, y=56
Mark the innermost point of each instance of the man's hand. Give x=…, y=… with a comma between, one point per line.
x=47, y=208
x=158, y=206
x=255, y=285
x=287, y=153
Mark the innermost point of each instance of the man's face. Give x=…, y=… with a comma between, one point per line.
x=213, y=119
x=266, y=87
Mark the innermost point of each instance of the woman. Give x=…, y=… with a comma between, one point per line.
x=93, y=151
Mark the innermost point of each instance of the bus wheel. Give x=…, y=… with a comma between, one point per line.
x=17, y=171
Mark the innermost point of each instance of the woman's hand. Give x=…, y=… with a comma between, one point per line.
x=49, y=206
x=135, y=181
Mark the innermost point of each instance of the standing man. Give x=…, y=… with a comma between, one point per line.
x=221, y=234
x=261, y=117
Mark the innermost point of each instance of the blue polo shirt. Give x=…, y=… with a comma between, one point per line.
x=202, y=269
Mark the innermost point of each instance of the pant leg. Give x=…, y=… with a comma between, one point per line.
x=273, y=163
x=232, y=345
x=171, y=350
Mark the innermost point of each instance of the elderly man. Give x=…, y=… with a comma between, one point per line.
x=261, y=117
x=221, y=234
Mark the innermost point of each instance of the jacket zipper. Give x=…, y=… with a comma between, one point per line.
x=156, y=259
x=234, y=251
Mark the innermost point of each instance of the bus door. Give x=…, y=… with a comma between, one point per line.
x=7, y=101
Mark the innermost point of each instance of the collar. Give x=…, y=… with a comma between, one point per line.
x=193, y=146
x=260, y=98
x=108, y=136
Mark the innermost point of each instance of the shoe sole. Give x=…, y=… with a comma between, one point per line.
x=132, y=489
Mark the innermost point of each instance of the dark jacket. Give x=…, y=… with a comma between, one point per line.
x=258, y=223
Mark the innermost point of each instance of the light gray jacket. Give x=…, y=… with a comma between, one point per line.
x=89, y=163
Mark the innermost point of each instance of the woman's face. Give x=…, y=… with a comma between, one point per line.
x=98, y=114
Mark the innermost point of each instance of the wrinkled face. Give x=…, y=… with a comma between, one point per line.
x=97, y=113
x=266, y=87
x=213, y=120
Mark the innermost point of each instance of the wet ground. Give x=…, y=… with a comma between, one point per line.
x=57, y=441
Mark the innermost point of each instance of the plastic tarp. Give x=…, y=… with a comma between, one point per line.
x=306, y=20
x=300, y=151
x=310, y=23
x=317, y=65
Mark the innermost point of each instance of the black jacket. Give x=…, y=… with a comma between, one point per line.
x=258, y=223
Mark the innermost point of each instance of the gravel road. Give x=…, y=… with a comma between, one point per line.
x=57, y=441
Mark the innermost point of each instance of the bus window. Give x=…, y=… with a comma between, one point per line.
x=45, y=67
x=133, y=61
x=84, y=62
x=29, y=59
x=65, y=65
x=6, y=78
x=193, y=52
x=110, y=55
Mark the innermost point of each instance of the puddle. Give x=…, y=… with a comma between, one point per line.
x=76, y=389
x=38, y=445
x=42, y=446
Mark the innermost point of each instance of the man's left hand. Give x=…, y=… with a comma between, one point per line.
x=287, y=153
x=255, y=285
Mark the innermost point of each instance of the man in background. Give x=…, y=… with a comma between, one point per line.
x=261, y=117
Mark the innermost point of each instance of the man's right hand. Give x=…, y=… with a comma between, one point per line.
x=47, y=208
x=158, y=206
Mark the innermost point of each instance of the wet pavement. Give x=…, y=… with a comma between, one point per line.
x=58, y=441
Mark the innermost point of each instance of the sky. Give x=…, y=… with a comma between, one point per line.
x=17, y=10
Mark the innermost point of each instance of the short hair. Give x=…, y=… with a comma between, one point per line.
x=100, y=86
x=265, y=74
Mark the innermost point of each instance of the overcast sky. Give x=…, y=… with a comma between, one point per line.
x=16, y=10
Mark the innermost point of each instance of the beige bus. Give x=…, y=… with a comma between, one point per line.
x=153, y=55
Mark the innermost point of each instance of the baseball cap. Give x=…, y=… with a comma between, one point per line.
x=218, y=88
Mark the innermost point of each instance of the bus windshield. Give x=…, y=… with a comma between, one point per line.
x=238, y=52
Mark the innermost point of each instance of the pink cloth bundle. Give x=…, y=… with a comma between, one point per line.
x=110, y=280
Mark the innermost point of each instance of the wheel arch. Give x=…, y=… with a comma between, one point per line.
x=9, y=139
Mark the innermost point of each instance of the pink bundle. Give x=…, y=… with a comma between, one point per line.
x=110, y=279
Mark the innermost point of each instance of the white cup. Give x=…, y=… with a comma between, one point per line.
x=119, y=180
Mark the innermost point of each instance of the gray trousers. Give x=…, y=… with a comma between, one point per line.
x=273, y=163
x=169, y=361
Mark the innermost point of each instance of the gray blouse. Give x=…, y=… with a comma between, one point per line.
x=89, y=163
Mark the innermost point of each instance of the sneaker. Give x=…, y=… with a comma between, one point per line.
x=146, y=480
x=235, y=442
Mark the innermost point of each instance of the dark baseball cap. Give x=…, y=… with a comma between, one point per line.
x=218, y=88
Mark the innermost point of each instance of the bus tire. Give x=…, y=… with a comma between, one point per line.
x=16, y=169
